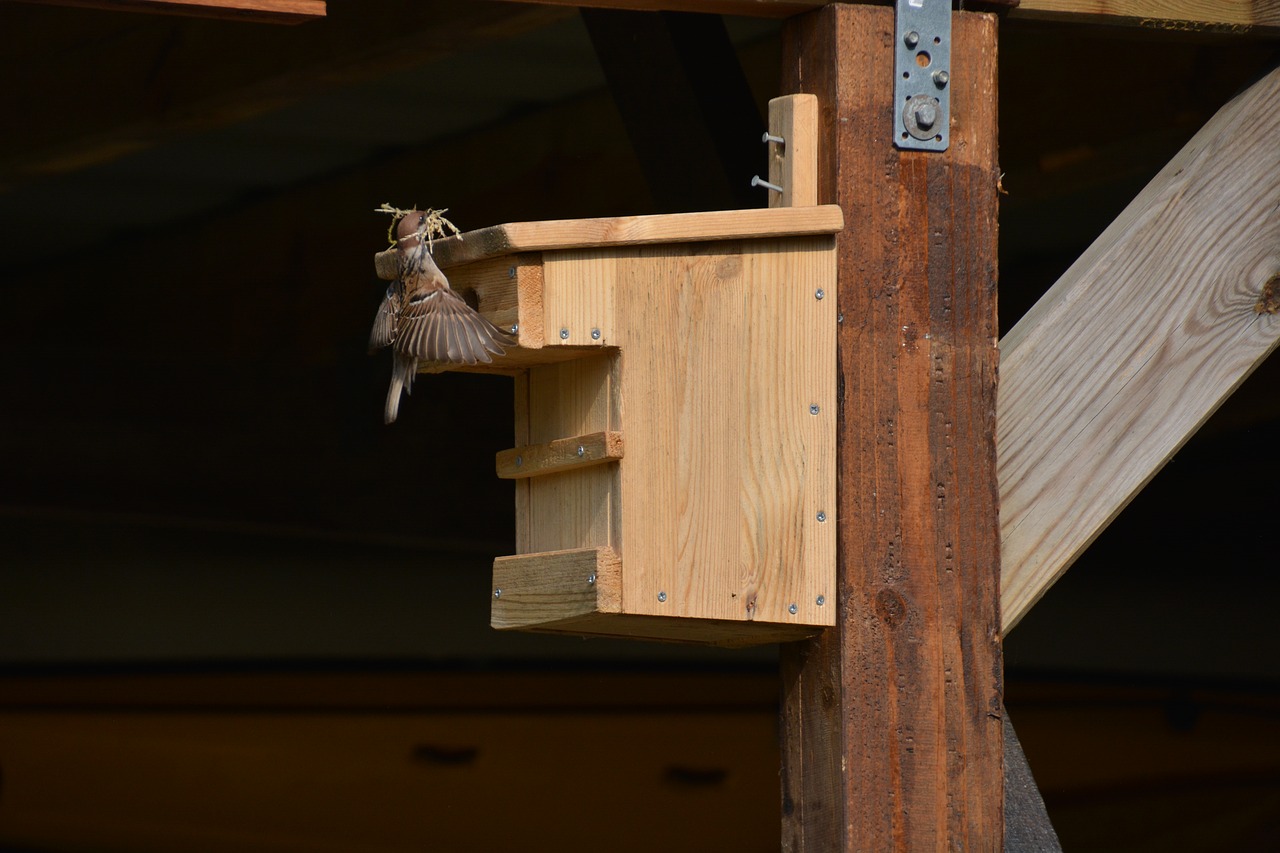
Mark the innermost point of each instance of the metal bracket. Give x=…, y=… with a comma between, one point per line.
x=922, y=75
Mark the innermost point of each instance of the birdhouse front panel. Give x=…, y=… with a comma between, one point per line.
x=675, y=421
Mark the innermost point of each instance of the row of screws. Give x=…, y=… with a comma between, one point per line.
x=564, y=334
x=793, y=609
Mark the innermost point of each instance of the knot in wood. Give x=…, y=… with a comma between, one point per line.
x=1269, y=301
x=890, y=607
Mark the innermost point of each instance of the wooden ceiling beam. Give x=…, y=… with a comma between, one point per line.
x=258, y=11
x=1235, y=17
x=1138, y=344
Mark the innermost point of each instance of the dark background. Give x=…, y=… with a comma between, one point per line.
x=195, y=481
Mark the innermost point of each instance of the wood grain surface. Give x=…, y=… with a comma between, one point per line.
x=635, y=231
x=891, y=722
x=1138, y=344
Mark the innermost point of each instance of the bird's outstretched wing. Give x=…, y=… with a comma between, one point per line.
x=437, y=325
x=386, y=322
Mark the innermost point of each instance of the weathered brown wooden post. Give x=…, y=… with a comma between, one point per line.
x=891, y=720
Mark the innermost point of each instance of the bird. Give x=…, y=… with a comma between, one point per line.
x=423, y=319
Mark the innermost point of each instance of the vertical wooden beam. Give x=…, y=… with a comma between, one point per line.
x=892, y=719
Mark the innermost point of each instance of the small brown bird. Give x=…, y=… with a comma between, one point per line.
x=422, y=319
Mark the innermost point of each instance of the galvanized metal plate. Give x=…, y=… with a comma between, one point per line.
x=922, y=75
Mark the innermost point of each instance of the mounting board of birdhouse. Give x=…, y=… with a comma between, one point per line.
x=675, y=405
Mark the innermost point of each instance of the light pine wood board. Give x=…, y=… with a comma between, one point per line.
x=793, y=163
x=726, y=469
x=669, y=228
x=1137, y=344
x=521, y=420
x=563, y=454
x=550, y=587
x=1241, y=17
x=572, y=509
x=577, y=297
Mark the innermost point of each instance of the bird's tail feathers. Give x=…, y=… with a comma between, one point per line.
x=402, y=371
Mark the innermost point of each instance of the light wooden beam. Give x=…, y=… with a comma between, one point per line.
x=1236, y=17
x=1138, y=343
x=260, y=11
x=1233, y=17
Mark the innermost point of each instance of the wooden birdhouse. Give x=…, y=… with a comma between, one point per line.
x=675, y=403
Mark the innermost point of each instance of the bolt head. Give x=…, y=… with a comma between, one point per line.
x=941, y=78
x=911, y=39
x=927, y=115
x=922, y=117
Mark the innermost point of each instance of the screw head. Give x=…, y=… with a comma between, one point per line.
x=497, y=593
x=822, y=516
x=941, y=78
x=519, y=461
x=564, y=334
x=595, y=334
x=591, y=579
x=813, y=410
x=793, y=610
x=582, y=451
x=515, y=327
x=819, y=293
x=511, y=272
x=911, y=39
x=822, y=599
x=662, y=596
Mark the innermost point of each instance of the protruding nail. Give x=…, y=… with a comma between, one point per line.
x=758, y=181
